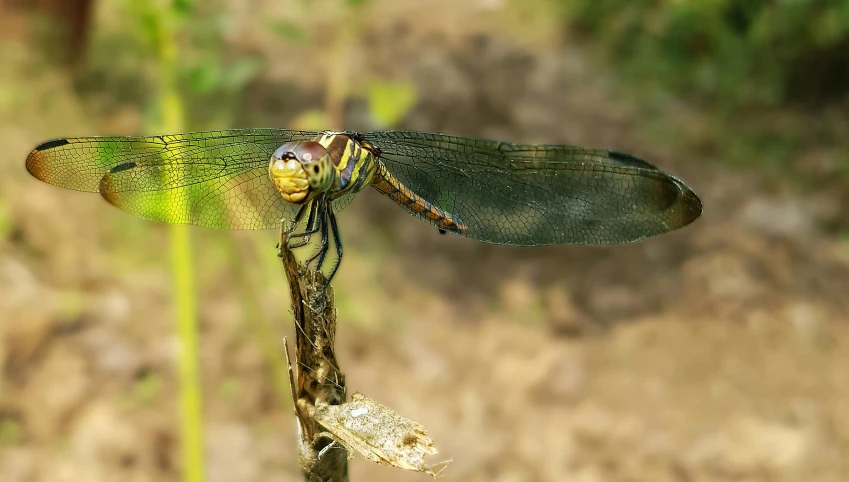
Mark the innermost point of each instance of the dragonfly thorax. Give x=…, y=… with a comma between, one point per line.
x=301, y=171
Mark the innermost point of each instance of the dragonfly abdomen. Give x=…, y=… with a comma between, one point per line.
x=389, y=185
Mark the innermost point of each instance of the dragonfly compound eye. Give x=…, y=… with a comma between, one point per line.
x=316, y=163
x=299, y=169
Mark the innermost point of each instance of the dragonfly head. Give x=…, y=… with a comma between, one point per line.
x=301, y=170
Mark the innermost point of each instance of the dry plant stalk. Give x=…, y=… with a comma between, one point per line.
x=328, y=426
x=319, y=378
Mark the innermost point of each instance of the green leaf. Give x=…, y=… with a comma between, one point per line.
x=390, y=102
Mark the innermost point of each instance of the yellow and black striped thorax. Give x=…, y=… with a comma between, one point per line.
x=355, y=165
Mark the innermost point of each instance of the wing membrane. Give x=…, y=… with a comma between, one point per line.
x=217, y=179
x=529, y=195
x=505, y=193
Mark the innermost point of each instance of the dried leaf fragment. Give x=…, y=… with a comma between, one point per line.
x=379, y=434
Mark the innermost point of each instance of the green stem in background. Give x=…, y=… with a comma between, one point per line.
x=191, y=409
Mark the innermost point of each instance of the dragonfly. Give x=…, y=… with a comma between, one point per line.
x=490, y=191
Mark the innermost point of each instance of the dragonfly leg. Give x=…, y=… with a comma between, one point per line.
x=311, y=228
x=286, y=231
x=322, y=251
x=325, y=243
x=337, y=240
x=297, y=218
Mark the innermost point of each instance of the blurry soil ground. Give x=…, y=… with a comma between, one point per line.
x=717, y=353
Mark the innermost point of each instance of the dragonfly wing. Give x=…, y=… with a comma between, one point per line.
x=530, y=195
x=341, y=203
x=216, y=179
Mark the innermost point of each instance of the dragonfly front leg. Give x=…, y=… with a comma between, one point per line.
x=286, y=231
x=296, y=219
x=322, y=251
x=311, y=228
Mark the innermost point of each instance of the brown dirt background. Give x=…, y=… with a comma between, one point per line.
x=716, y=353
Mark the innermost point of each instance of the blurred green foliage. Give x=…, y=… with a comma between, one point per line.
x=212, y=73
x=210, y=76
x=389, y=102
x=755, y=52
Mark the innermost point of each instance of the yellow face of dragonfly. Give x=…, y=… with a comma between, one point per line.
x=301, y=170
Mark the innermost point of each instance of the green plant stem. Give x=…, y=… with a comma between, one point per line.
x=191, y=408
x=191, y=397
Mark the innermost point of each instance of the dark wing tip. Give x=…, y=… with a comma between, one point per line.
x=689, y=205
x=684, y=204
x=630, y=160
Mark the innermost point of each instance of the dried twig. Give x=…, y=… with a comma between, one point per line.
x=319, y=379
x=328, y=426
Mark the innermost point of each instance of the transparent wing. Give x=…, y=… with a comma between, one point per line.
x=529, y=195
x=217, y=179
